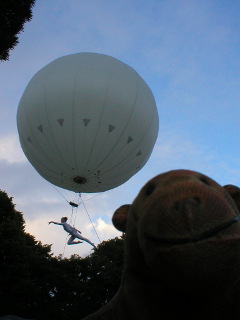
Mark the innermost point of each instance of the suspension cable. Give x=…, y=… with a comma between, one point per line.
x=61, y=194
x=76, y=205
x=71, y=221
x=64, y=246
x=89, y=216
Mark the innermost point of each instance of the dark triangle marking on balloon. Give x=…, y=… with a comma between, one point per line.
x=139, y=153
x=86, y=121
x=129, y=139
x=40, y=128
x=111, y=128
x=60, y=121
x=29, y=140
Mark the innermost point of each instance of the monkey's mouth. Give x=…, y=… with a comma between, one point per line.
x=205, y=235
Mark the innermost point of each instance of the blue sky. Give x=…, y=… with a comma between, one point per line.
x=188, y=52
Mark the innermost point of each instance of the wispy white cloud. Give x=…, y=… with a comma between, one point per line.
x=176, y=150
x=105, y=230
x=10, y=150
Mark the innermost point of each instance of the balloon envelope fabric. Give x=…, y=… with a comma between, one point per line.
x=87, y=122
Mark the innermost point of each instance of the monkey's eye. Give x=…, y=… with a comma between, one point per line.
x=149, y=189
x=205, y=180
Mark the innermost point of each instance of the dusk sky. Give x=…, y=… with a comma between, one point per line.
x=187, y=51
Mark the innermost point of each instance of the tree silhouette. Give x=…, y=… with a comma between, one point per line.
x=83, y=285
x=35, y=284
x=23, y=264
x=13, y=15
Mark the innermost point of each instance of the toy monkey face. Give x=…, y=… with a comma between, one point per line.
x=182, y=218
x=181, y=207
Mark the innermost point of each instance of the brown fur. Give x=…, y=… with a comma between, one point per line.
x=182, y=252
x=234, y=193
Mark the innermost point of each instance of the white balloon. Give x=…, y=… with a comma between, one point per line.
x=87, y=122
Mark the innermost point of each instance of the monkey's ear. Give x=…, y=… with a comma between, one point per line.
x=234, y=192
x=120, y=216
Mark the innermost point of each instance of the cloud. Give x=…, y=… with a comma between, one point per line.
x=178, y=150
x=175, y=151
x=10, y=150
x=105, y=231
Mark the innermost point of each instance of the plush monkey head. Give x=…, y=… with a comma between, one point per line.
x=184, y=228
x=234, y=193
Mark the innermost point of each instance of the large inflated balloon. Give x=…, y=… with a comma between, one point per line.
x=87, y=122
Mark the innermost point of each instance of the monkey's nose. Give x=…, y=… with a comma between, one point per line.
x=184, y=204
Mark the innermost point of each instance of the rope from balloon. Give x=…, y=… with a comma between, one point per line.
x=73, y=226
x=82, y=180
x=89, y=217
x=61, y=194
x=75, y=205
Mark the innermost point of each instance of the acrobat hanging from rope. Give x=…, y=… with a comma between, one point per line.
x=72, y=231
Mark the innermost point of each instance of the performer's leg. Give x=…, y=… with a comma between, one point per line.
x=70, y=241
x=85, y=239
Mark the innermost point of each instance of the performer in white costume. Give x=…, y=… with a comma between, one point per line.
x=75, y=233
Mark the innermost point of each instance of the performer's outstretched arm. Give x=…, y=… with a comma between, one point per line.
x=59, y=223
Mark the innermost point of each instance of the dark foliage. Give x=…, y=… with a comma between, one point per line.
x=13, y=15
x=23, y=262
x=35, y=284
